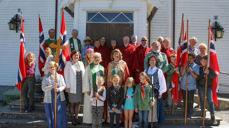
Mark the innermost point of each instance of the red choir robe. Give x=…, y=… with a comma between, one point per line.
x=104, y=50
x=169, y=51
x=140, y=53
x=128, y=55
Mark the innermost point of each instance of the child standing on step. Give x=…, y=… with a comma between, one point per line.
x=201, y=79
x=190, y=71
x=98, y=97
x=29, y=83
x=129, y=101
x=143, y=100
x=115, y=98
x=170, y=71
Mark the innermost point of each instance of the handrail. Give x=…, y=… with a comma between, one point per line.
x=225, y=73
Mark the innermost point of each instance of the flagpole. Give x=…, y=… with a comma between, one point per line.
x=20, y=97
x=181, y=37
x=55, y=97
x=206, y=77
x=56, y=15
x=186, y=97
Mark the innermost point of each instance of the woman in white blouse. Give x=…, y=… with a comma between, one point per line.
x=73, y=74
x=159, y=87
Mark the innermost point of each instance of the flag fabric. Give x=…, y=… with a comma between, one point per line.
x=64, y=54
x=175, y=77
x=21, y=69
x=183, y=52
x=42, y=47
x=214, y=65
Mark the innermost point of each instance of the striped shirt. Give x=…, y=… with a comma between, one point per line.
x=30, y=70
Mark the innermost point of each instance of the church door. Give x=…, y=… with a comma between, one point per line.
x=112, y=25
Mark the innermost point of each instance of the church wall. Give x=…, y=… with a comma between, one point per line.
x=198, y=12
x=9, y=39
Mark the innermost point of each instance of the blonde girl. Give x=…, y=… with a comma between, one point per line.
x=129, y=101
x=29, y=83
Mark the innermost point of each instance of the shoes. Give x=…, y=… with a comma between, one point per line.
x=214, y=122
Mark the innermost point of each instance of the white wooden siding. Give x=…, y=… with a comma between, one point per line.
x=9, y=40
x=198, y=12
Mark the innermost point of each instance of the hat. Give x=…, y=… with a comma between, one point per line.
x=88, y=39
x=89, y=50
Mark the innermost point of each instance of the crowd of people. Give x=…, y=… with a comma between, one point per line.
x=118, y=83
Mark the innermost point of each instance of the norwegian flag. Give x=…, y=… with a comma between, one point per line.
x=64, y=54
x=21, y=69
x=42, y=47
x=175, y=77
x=214, y=65
x=183, y=52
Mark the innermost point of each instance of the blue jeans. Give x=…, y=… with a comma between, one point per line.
x=143, y=118
x=160, y=112
x=209, y=99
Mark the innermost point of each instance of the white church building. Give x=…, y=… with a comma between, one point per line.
x=112, y=19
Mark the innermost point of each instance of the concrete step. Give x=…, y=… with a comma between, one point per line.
x=38, y=115
x=33, y=123
x=195, y=120
x=15, y=105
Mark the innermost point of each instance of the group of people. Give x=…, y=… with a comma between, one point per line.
x=117, y=83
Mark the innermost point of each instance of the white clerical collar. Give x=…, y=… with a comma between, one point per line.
x=51, y=38
x=126, y=45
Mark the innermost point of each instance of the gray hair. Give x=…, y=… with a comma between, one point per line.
x=160, y=37
x=127, y=37
x=75, y=30
x=134, y=36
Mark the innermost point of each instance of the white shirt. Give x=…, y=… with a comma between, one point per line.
x=99, y=102
x=76, y=44
x=161, y=79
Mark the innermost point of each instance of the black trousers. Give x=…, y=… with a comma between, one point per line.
x=190, y=100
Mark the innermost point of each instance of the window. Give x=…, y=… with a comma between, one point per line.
x=110, y=17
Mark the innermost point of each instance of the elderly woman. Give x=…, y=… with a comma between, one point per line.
x=117, y=66
x=161, y=57
x=192, y=47
x=168, y=50
x=52, y=84
x=92, y=72
x=203, y=52
x=73, y=74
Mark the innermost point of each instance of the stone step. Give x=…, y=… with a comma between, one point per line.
x=195, y=120
x=33, y=123
x=38, y=115
x=42, y=123
x=15, y=105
